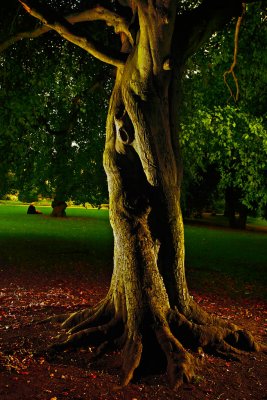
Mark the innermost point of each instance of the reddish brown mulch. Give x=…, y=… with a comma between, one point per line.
x=26, y=375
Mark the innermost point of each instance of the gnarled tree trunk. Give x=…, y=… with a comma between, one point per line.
x=148, y=306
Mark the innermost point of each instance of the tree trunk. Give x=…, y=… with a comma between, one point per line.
x=234, y=205
x=148, y=309
x=242, y=218
x=59, y=208
x=62, y=171
x=230, y=207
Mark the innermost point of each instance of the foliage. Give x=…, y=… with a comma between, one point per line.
x=236, y=143
x=219, y=134
x=148, y=296
x=52, y=119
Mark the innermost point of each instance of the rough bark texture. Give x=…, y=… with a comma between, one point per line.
x=148, y=310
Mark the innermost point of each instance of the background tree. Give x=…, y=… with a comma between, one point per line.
x=148, y=306
x=52, y=120
x=226, y=134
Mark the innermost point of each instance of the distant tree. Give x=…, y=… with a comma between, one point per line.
x=227, y=133
x=148, y=309
x=52, y=121
x=235, y=144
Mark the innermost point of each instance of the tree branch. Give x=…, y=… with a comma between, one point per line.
x=74, y=35
x=23, y=35
x=231, y=69
x=65, y=27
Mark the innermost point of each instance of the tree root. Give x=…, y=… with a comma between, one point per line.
x=132, y=353
x=180, y=363
x=181, y=340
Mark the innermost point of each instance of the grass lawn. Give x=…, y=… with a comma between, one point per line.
x=83, y=241
x=43, y=242
x=232, y=259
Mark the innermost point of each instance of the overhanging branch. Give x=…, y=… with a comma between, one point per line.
x=98, y=13
x=66, y=28
x=231, y=71
x=72, y=34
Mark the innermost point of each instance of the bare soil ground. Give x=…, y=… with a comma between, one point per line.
x=72, y=375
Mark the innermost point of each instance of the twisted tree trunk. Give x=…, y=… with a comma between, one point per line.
x=148, y=309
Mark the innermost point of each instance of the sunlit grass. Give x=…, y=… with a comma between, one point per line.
x=84, y=241
x=41, y=241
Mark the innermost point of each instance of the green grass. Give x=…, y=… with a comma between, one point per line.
x=84, y=241
x=216, y=254
x=42, y=242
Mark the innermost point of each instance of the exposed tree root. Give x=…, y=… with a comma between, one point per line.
x=132, y=353
x=180, y=363
x=179, y=339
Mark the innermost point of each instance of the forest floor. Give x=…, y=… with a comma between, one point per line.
x=71, y=375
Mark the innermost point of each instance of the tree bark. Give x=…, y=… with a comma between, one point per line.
x=148, y=309
x=59, y=208
x=233, y=206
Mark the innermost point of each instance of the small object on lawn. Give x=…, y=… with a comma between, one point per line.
x=32, y=210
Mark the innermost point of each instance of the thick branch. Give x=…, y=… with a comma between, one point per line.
x=72, y=34
x=65, y=27
x=97, y=13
